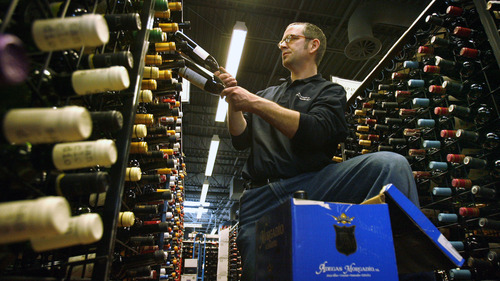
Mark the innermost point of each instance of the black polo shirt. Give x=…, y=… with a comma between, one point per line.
x=321, y=127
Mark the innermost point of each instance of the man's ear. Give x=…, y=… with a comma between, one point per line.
x=314, y=44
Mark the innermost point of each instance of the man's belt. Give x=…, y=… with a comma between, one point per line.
x=251, y=184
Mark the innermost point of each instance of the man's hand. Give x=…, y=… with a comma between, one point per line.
x=241, y=99
x=227, y=79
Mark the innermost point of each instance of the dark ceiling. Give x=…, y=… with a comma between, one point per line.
x=211, y=27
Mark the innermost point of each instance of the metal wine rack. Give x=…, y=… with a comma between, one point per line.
x=54, y=265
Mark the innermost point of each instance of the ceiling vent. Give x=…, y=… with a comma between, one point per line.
x=362, y=45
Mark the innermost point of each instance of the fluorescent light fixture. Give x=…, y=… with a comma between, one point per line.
x=196, y=204
x=204, y=191
x=186, y=91
x=212, y=154
x=195, y=225
x=195, y=210
x=214, y=230
x=233, y=62
x=201, y=210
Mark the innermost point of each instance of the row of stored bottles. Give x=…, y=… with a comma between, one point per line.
x=92, y=128
x=436, y=103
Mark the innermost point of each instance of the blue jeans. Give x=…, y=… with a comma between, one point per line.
x=352, y=181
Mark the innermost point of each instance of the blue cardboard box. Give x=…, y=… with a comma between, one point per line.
x=419, y=245
x=314, y=240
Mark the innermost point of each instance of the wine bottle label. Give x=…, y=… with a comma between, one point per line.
x=70, y=33
x=93, y=81
x=82, y=230
x=201, y=53
x=47, y=125
x=193, y=77
x=76, y=155
x=22, y=220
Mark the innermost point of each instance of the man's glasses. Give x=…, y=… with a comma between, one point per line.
x=292, y=37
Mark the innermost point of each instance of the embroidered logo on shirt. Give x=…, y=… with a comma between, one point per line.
x=301, y=97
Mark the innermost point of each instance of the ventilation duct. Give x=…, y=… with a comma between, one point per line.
x=362, y=45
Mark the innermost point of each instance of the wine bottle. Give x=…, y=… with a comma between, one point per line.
x=58, y=34
x=71, y=185
x=26, y=219
x=82, y=230
x=171, y=27
x=46, y=125
x=122, y=264
x=485, y=193
x=196, y=53
x=108, y=121
x=481, y=114
x=91, y=81
x=75, y=155
x=108, y=59
x=201, y=79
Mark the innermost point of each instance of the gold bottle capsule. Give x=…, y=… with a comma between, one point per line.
x=148, y=84
x=146, y=119
x=337, y=159
x=167, y=151
x=365, y=142
x=163, y=14
x=164, y=171
x=365, y=151
x=363, y=128
x=153, y=60
x=165, y=47
x=165, y=75
x=175, y=6
x=169, y=27
x=359, y=112
x=138, y=147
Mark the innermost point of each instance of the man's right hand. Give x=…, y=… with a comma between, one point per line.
x=227, y=79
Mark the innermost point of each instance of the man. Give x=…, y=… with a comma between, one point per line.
x=293, y=131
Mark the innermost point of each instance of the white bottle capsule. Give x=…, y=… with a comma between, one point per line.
x=93, y=81
x=47, y=125
x=139, y=131
x=22, y=220
x=126, y=219
x=145, y=96
x=85, y=154
x=70, y=33
x=82, y=230
x=133, y=174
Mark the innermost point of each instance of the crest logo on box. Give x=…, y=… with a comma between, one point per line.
x=345, y=239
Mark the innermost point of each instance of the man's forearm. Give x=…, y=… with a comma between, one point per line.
x=236, y=122
x=283, y=119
